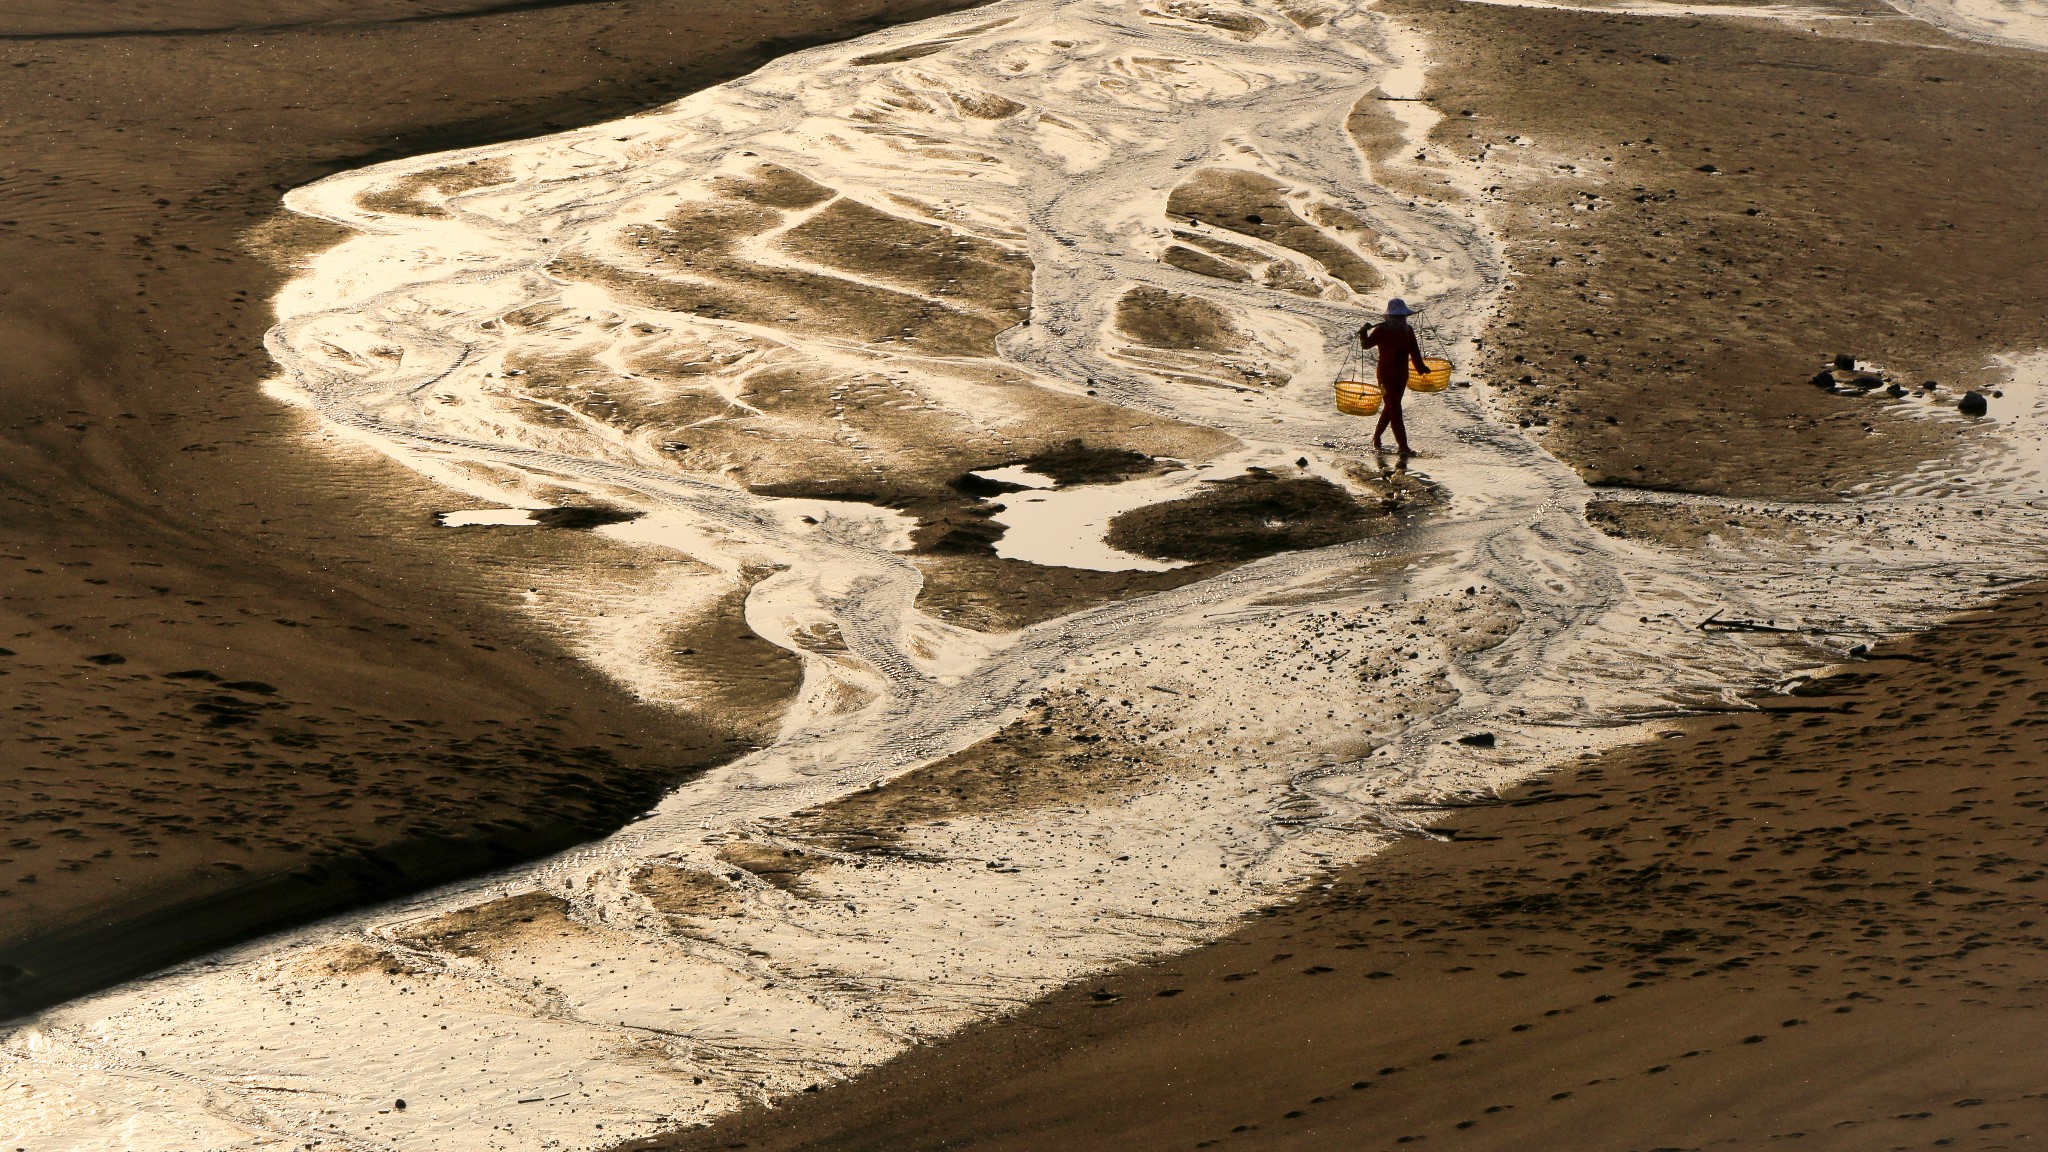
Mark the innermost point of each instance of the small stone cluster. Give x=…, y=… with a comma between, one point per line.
x=1846, y=375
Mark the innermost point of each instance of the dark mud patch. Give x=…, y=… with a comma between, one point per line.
x=1169, y=320
x=1053, y=756
x=985, y=105
x=356, y=958
x=290, y=241
x=1202, y=264
x=1687, y=526
x=918, y=51
x=1383, y=139
x=950, y=520
x=972, y=532
x=489, y=926
x=1240, y=26
x=773, y=186
x=575, y=517
x=686, y=892
x=1071, y=462
x=880, y=492
x=1247, y=517
x=745, y=682
x=901, y=55
x=410, y=195
x=990, y=593
x=584, y=516
x=925, y=258
x=782, y=867
x=1222, y=249
x=983, y=488
x=985, y=288
x=1254, y=205
x=1078, y=462
x=955, y=519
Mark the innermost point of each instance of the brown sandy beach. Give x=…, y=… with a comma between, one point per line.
x=356, y=716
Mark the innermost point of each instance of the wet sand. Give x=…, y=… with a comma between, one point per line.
x=363, y=717
x=1815, y=922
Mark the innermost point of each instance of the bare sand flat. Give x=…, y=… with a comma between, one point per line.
x=361, y=717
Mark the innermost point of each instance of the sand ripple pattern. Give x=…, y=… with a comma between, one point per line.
x=646, y=313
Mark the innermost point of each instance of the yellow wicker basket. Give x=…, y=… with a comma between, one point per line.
x=1358, y=397
x=1436, y=379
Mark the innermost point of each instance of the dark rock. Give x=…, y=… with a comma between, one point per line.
x=1896, y=389
x=1845, y=363
x=398, y=1104
x=1477, y=740
x=1929, y=385
x=256, y=686
x=193, y=674
x=1825, y=381
x=1973, y=404
x=109, y=659
x=1865, y=383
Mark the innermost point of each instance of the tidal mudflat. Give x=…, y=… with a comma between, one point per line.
x=804, y=350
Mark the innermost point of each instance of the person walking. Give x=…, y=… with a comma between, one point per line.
x=1398, y=348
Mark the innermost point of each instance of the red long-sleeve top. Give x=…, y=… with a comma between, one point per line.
x=1398, y=347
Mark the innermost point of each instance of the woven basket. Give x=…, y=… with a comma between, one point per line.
x=1358, y=397
x=1436, y=379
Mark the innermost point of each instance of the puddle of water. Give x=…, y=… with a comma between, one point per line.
x=1016, y=474
x=1065, y=527
x=485, y=517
